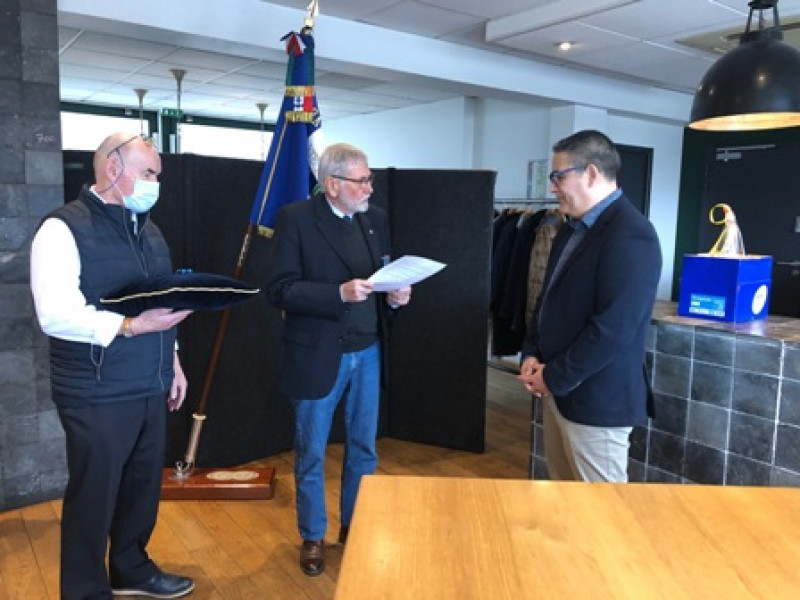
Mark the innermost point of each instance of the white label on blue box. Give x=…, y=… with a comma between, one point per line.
x=760, y=299
x=709, y=306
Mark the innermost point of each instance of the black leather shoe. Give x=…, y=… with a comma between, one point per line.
x=160, y=585
x=312, y=557
x=343, y=531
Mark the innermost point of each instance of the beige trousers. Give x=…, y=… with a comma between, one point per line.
x=576, y=452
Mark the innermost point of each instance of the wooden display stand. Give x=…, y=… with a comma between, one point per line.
x=244, y=483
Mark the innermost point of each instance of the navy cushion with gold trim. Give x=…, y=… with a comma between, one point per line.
x=179, y=291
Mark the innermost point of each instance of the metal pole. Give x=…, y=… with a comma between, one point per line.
x=178, y=74
x=262, y=106
x=140, y=92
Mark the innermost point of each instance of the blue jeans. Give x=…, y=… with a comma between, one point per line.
x=313, y=418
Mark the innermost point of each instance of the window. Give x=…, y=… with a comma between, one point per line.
x=84, y=127
x=83, y=131
x=210, y=140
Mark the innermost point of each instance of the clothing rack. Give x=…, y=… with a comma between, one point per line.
x=519, y=258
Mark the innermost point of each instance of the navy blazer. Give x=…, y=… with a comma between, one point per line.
x=589, y=328
x=307, y=264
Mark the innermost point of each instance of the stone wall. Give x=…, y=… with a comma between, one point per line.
x=727, y=405
x=728, y=409
x=32, y=457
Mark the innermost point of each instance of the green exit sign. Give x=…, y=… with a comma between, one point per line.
x=170, y=112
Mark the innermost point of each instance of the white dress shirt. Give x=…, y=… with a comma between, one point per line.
x=61, y=307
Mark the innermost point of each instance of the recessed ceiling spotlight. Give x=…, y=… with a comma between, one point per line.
x=564, y=46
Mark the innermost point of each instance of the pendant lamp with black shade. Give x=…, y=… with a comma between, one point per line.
x=754, y=86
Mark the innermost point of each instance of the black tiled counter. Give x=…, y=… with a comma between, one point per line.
x=727, y=403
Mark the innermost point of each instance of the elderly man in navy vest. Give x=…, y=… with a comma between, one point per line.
x=112, y=376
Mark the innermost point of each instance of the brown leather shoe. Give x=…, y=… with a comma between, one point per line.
x=343, y=531
x=312, y=557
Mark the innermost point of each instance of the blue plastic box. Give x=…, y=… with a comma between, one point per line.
x=725, y=289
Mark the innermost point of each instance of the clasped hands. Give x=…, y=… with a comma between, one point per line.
x=358, y=290
x=531, y=375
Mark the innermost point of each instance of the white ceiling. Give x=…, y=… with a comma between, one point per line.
x=104, y=56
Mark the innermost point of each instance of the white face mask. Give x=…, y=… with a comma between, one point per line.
x=144, y=197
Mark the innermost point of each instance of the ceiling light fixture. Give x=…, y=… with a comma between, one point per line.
x=140, y=92
x=178, y=74
x=756, y=85
x=262, y=106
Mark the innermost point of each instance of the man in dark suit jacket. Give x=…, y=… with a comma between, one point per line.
x=585, y=349
x=323, y=252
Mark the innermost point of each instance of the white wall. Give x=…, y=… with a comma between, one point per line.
x=510, y=135
x=503, y=136
x=431, y=136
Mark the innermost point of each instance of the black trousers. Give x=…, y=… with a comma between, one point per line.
x=115, y=458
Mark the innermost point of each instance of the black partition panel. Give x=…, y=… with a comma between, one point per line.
x=437, y=387
x=203, y=211
x=246, y=418
x=437, y=390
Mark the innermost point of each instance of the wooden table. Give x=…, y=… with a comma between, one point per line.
x=441, y=538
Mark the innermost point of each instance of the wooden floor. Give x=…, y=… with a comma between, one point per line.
x=248, y=549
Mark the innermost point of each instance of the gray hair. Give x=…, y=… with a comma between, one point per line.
x=337, y=158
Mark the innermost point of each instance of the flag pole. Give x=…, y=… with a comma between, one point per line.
x=184, y=469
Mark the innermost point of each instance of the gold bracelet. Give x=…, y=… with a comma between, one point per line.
x=127, y=327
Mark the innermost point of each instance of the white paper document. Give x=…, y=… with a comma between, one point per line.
x=406, y=270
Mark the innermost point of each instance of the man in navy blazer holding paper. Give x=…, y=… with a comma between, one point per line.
x=323, y=252
x=584, y=351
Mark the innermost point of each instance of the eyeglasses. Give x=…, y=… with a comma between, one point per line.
x=557, y=177
x=145, y=138
x=361, y=181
